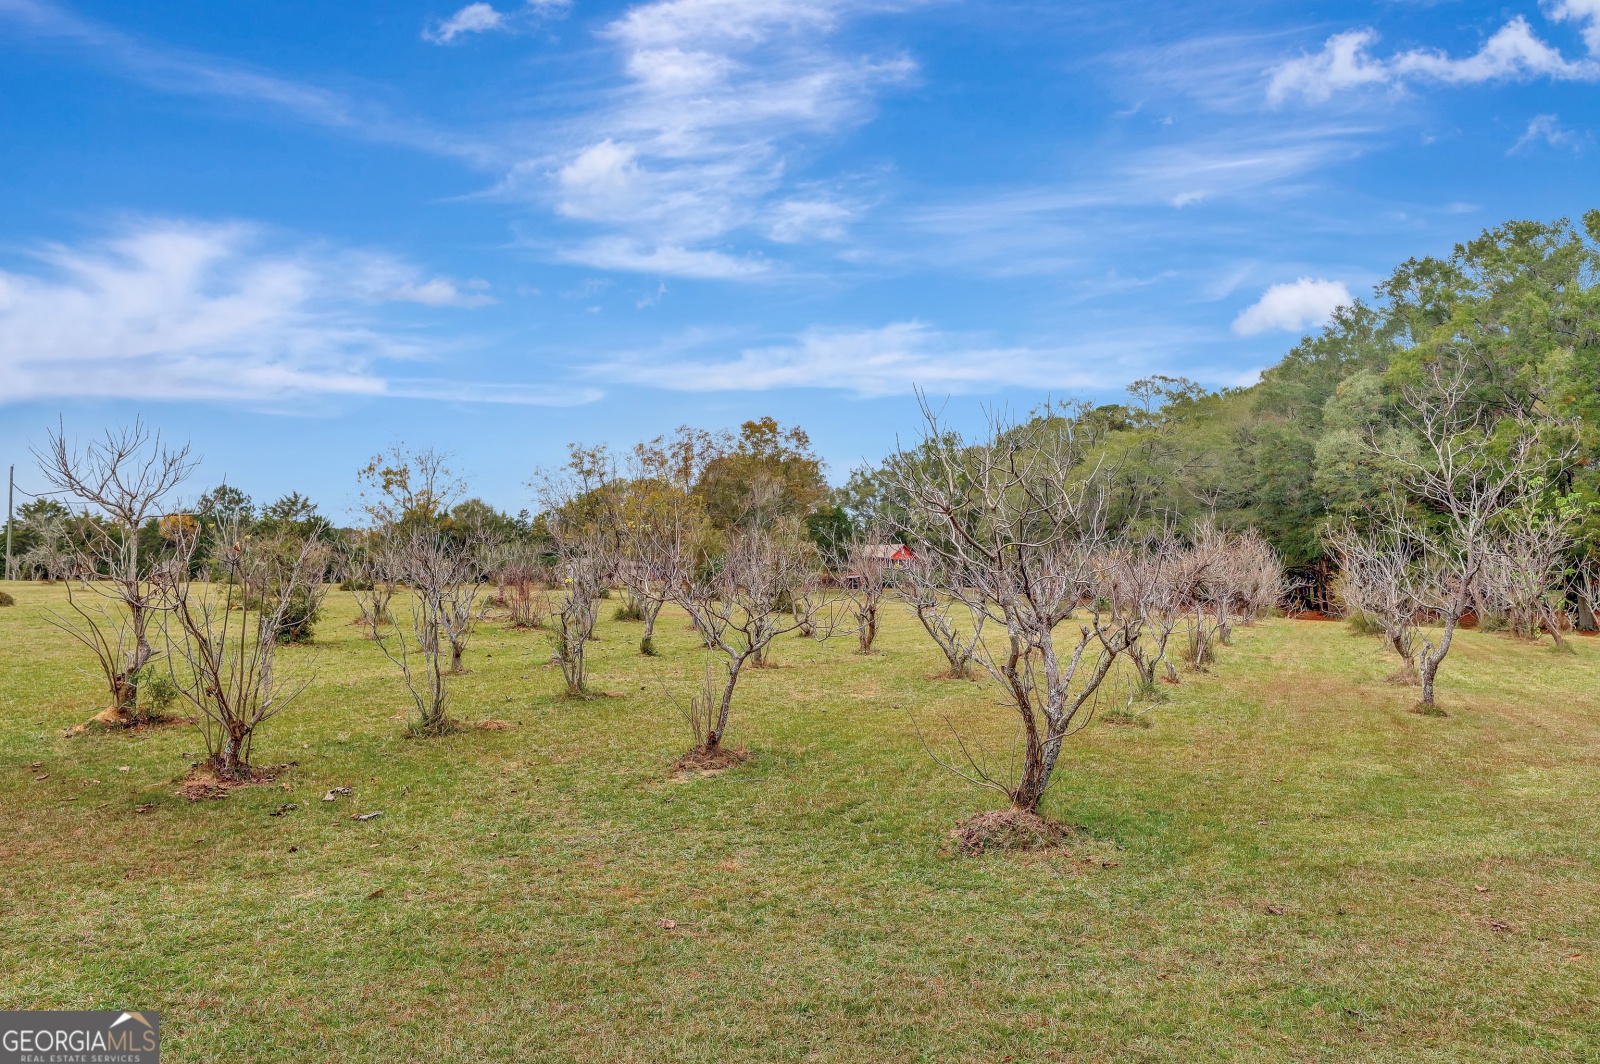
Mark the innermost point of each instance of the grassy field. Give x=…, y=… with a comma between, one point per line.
x=1285, y=866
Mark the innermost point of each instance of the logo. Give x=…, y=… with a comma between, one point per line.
x=80, y=1037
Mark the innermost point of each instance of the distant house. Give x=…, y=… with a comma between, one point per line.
x=896, y=554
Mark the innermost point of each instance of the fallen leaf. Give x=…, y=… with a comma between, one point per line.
x=37, y=779
x=1262, y=823
x=294, y=849
x=375, y=894
x=333, y=794
x=368, y=816
x=1275, y=910
x=1277, y=779
x=1499, y=925
x=122, y=768
x=143, y=808
x=666, y=925
x=284, y=809
x=37, y=764
x=1480, y=890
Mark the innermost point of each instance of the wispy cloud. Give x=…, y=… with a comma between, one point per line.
x=1292, y=307
x=1512, y=53
x=1548, y=130
x=482, y=18
x=474, y=18
x=189, y=73
x=892, y=359
x=173, y=310
x=699, y=140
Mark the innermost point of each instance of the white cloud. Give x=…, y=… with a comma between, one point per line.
x=1584, y=12
x=1546, y=129
x=891, y=360
x=171, y=310
x=698, y=143
x=1514, y=52
x=1292, y=307
x=620, y=253
x=191, y=73
x=441, y=292
x=474, y=18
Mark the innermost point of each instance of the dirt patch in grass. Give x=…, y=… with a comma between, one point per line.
x=718, y=760
x=494, y=725
x=1009, y=830
x=109, y=720
x=203, y=782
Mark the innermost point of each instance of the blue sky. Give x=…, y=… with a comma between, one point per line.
x=295, y=232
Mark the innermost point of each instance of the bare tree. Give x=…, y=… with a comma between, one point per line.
x=1157, y=580
x=1467, y=467
x=222, y=636
x=520, y=577
x=870, y=571
x=584, y=568
x=920, y=587
x=1021, y=515
x=121, y=480
x=460, y=599
x=1378, y=580
x=1525, y=569
x=370, y=579
x=443, y=579
x=760, y=586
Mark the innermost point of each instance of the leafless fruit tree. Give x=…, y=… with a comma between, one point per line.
x=443, y=579
x=1467, y=468
x=763, y=584
x=370, y=578
x=520, y=576
x=920, y=587
x=584, y=568
x=222, y=634
x=1021, y=515
x=1525, y=570
x=1157, y=580
x=1379, y=574
x=870, y=571
x=120, y=480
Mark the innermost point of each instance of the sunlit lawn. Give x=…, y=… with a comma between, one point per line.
x=1285, y=866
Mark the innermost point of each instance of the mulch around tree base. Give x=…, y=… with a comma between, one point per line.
x=723, y=757
x=1009, y=830
x=202, y=782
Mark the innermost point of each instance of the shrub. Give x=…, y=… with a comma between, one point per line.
x=1364, y=624
x=156, y=693
x=6, y=599
x=299, y=621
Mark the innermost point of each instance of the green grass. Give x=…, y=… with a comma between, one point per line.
x=820, y=913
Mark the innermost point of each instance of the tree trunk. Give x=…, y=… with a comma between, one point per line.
x=456, y=650
x=229, y=760
x=869, y=629
x=1431, y=660
x=714, y=735
x=649, y=611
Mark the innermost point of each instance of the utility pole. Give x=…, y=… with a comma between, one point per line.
x=11, y=487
